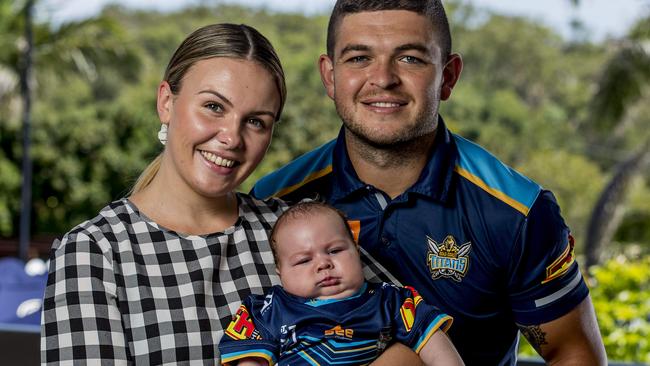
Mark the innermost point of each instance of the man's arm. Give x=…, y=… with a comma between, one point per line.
x=572, y=339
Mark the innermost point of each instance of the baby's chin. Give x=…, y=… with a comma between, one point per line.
x=335, y=292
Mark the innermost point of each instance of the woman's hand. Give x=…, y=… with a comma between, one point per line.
x=252, y=361
x=440, y=351
x=398, y=354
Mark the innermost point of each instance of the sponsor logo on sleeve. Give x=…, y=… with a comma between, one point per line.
x=408, y=308
x=562, y=264
x=242, y=327
x=416, y=295
x=407, y=311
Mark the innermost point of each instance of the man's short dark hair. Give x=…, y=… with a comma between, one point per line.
x=432, y=9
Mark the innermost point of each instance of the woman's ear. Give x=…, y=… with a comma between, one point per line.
x=164, y=102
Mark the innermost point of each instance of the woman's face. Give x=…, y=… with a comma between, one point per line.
x=220, y=124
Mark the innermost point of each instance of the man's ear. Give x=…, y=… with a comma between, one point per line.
x=451, y=74
x=164, y=102
x=326, y=67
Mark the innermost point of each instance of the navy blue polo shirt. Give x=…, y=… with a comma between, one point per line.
x=482, y=242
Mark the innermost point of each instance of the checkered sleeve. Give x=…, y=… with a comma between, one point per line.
x=373, y=271
x=81, y=321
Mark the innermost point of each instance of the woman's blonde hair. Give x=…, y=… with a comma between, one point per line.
x=238, y=41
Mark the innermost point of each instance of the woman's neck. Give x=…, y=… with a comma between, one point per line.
x=178, y=207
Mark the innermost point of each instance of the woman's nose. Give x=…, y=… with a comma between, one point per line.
x=229, y=134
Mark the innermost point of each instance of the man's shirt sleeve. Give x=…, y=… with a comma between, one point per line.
x=416, y=321
x=544, y=279
x=245, y=337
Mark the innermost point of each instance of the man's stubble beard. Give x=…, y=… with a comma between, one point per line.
x=404, y=146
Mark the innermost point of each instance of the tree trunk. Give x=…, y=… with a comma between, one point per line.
x=610, y=207
x=26, y=95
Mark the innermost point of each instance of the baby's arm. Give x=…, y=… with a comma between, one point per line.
x=423, y=327
x=440, y=351
x=244, y=341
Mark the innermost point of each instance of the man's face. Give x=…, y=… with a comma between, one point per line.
x=386, y=76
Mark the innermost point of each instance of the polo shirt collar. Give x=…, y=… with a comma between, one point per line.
x=345, y=178
x=434, y=181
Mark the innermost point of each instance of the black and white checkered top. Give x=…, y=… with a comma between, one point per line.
x=124, y=290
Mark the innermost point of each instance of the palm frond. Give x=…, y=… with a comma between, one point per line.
x=621, y=84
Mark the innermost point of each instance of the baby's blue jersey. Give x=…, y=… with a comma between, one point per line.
x=290, y=330
x=477, y=239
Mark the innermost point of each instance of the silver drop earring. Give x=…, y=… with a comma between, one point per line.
x=162, y=134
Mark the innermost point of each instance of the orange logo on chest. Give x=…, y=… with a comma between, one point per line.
x=339, y=331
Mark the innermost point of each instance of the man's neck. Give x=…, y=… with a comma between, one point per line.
x=391, y=169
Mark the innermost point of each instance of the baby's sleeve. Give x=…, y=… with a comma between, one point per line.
x=246, y=336
x=415, y=320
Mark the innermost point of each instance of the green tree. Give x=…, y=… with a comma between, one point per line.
x=614, y=119
x=74, y=48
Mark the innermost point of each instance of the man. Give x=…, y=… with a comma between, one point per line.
x=482, y=242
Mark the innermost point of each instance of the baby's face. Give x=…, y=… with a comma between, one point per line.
x=317, y=258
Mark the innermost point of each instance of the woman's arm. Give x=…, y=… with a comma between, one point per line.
x=440, y=351
x=81, y=321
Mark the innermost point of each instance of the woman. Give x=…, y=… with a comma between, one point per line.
x=155, y=276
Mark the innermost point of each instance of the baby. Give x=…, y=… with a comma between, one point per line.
x=325, y=312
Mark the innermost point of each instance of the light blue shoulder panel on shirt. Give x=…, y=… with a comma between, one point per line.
x=489, y=173
x=300, y=171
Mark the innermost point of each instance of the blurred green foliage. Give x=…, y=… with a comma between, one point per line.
x=620, y=291
x=563, y=112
